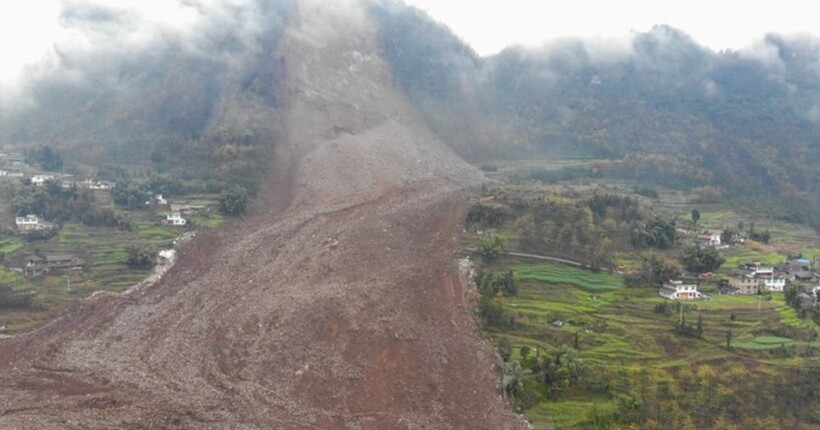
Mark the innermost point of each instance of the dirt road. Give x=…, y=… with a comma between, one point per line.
x=337, y=306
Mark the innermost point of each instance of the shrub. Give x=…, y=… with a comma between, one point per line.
x=10, y=299
x=233, y=201
x=141, y=257
x=492, y=247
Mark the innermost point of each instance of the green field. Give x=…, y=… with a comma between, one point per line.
x=616, y=328
x=765, y=342
x=10, y=245
x=556, y=273
x=104, y=251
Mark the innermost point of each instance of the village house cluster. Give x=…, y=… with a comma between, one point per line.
x=753, y=278
x=32, y=222
x=713, y=237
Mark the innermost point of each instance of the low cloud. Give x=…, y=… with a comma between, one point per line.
x=765, y=52
x=93, y=39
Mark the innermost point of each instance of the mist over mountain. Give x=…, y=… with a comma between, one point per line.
x=664, y=109
x=128, y=88
x=661, y=107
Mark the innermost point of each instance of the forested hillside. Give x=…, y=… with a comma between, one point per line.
x=193, y=101
x=661, y=107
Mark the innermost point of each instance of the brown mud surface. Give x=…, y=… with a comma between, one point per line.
x=337, y=305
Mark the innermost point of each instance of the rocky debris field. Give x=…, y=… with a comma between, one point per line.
x=338, y=305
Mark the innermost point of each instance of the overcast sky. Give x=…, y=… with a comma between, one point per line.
x=490, y=25
x=28, y=28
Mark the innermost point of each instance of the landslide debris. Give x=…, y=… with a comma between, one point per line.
x=339, y=305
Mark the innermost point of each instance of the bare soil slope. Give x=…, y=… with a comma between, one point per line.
x=338, y=306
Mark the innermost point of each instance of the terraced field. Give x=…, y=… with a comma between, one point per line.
x=616, y=328
x=765, y=342
x=104, y=251
x=563, y=274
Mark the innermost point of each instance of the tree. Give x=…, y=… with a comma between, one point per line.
x=525, y=352
x=492, y=314
x=699, y=259
x=527, y=230
x=233, y=201
x=760, y=236
x=166, y=185
x=729, y=339
x=47, y=157
x=490, y=215
x=491, y=284
x=490, y=248
x=130, y=195
x=654, y=272
x=504, y=349
x=140, y=257
x=562, y=369
x=508, y=287
x=728, y=236
x=511, y=377
x=10, y=299
x=655, y=233
x=695, y=217
x=792, y=295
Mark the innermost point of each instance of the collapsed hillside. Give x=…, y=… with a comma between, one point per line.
x=337, y=306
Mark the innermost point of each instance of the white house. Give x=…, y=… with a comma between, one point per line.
x=28, y=222
x=41, y=179
x=176, y=219
x=757, y=277
x=711, y=237
x=677, y=290
x=760, y=270
x=767, y=278
x=157, y=199
x=101, y=185
x=775, y=283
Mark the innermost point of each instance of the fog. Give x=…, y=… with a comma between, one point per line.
x=85, y=41
x=96, y=42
